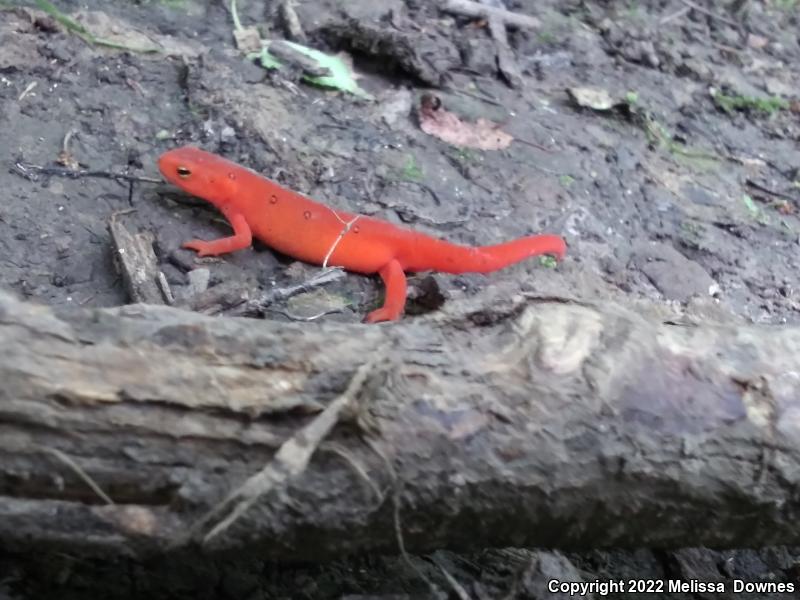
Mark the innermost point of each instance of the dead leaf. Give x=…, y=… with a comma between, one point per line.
x=438, y=122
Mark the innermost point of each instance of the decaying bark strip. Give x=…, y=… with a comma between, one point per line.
x=138, y=265
x=531, y=423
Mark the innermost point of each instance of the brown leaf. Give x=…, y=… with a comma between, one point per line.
x=438, y=122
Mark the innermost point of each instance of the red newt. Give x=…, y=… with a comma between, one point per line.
x=315, y=233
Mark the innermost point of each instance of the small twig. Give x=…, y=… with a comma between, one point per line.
x=322, y=278
x=80, y=473
x=342, y=233
x=291, y=459
x=67, y=139
x=506, y=63
x=480, y=97
x=237, y=24
x=65, y=157
x=291, y=22
x=166, y=291
x=398, y=528
x=726, y=48
x=710, y=13
x=319, y=279
x=343, y=453
x=467, y=8
x=292, y=317
x=533, y=144
x=457, y=587
x=676, y=15
x=767, y=190
x=28, y=89
x=32, y=172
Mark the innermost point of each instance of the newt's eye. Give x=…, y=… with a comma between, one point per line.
x=183, y=172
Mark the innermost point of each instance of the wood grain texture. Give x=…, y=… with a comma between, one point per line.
x=536, y=422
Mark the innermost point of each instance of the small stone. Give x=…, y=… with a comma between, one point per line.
x=198, y=281
x=756, y=41
x=228, y=133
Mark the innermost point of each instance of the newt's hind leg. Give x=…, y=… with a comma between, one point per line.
x=242, y=237
x=395, y=281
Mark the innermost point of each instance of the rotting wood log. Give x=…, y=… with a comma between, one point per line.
x=533, y=422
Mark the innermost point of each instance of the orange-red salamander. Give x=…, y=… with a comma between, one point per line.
x=312, y=232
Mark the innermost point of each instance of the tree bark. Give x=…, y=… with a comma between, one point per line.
x=535, y=422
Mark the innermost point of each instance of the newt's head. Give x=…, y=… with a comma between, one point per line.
x=200, y=173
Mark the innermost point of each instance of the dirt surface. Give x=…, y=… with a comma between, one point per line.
x=670, y=194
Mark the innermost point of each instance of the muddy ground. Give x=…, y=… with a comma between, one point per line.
x=671, y=195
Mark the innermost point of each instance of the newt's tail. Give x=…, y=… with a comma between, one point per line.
x=452, y=258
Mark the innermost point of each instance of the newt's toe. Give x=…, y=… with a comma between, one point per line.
x=382, y=314
x=198, y=246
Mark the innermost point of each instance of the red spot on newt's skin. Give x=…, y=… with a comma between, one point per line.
x=379, y=247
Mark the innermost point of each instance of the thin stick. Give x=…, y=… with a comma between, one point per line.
x=467, y=8
x=80, y=473
x=28, y=89
x=291, y=459
x=32, y=172
x=237, y=24
x=710, y=13
x=457, y=587
x=342, y=233
x=676, y=15
x=295, y=318
x=342, y=452
x=476, y=96
x=398, y=525
x=319, y=279
x=291, y=22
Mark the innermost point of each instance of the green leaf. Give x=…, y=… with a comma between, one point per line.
x=266, y=59
x=548, y=262
x=341, y=78
x=751, y=206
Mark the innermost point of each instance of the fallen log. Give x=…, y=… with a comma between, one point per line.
x=534, y=422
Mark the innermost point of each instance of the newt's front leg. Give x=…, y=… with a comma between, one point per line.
x=395, y=280
x=242, y=238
